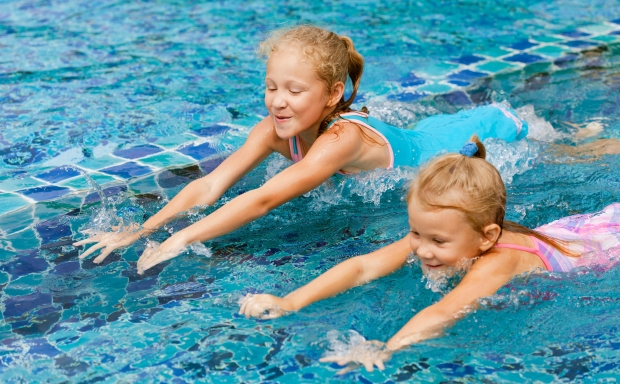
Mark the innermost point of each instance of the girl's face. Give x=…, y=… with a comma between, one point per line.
x=295, y=97
x=443, y=238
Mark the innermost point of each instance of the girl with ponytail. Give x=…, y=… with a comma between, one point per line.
x=456, y=209
x=310, y=121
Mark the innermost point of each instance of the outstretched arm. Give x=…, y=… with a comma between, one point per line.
x=329, y=153
x=350, y=273
x=204, y=191
x=485, y=277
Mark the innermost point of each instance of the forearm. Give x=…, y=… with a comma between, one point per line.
x=427, y=324
x=194, y=194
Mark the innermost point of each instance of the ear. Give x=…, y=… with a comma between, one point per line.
x=336, y=94
x=489, y=237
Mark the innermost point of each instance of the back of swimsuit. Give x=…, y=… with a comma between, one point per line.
x=554, y=260
x=412, y=147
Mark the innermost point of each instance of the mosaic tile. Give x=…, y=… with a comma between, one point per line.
x=494, y=52
x=597, y=29
x=47, y=192
x=167, y=159
x=17, y=220
x=524, y=58
x=615, y=33
x=51, y=230
x=435, y=88
x=616, y=21
x=467, y=59
x=115, y=190
x=407, y=96
x=467, y=75
x=25, y=239
x=180, y=176
x=144, y=185
x=412, y=80
x=127, y=170
x=137, y=151
x=14, y=184
x=566, y=59
x=522, y=45
x=58, y=174
x=11, y=202
x=175, y=141
x=546, y=39
x=574, y=34
x=437, y=69
x=100, y=162
x=199, y=151
x=496, y=66
x=213, y=130
x=82, y=183
x=209, y=165
x=606, y=38
x=460, y=83
x=549, y=50
x=579, y=44
x=457, y=98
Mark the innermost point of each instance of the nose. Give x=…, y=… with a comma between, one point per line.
x=423, y=252
x=279, y=101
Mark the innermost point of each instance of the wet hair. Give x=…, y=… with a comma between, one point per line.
x=474, y=187
x=334, y=57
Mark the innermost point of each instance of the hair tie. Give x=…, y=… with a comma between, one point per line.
x=469, y=149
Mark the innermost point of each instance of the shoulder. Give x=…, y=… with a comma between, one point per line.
x=496, y=260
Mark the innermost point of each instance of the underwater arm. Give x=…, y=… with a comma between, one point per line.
x=485, y=277
x=204, y=191
x=348, y=274
x=318, y=165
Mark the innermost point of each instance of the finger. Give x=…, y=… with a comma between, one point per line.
x=272, y=314
x=93, y=239
x=379, y=364
x=106, y=251
x=347, y=369
x=244, y=304
x=92, y=249
x=368, y=365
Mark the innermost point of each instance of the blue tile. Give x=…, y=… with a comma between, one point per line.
x=615, y=33
x=18, y=305
x=137, y=151
x=617, y=21
x=467, y=75
x=127, y=170
x=407, y=96
x=524, y=58
x=574, y=34
x=457, y=98
x=198, y=152
x=209, y=165
x=467, y=59
x=11, y=202
x=51, y=230
x=211, y=130
x=412, y=80
x=579, y=44
x=41, y=346
x=115, y=190
x=566, y=59
x=24, y=264
x=521, y=45
x=460, y=83
x=58, y=174
x=48, y=192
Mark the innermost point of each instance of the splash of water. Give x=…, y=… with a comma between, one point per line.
x=539, y=128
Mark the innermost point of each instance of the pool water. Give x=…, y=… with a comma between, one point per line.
x=82, y=78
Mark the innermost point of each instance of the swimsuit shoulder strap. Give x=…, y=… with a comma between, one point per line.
x=295, y=147
x=535, y=251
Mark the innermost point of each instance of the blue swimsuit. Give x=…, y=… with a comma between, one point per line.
x=412, y=147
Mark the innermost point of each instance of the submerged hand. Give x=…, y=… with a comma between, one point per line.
x=264, y=306
x=157, y=253
x=369, y=353
x=110, y=241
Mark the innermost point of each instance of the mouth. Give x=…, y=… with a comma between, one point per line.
x=432, y=266
x=280, y=119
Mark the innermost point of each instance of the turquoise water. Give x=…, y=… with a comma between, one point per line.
x=78, y=75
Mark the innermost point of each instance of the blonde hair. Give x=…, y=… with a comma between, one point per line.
x=472, y=186
x=334, y=57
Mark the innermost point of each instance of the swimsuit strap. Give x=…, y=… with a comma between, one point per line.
x=535, y=251
x=294, y=144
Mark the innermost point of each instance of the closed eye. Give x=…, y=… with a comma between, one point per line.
x=438, y=241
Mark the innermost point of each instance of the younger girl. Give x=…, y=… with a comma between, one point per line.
x=456, y=213
x=311, y=123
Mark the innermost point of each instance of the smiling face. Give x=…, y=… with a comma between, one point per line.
x=296, y=98
x=443, y=239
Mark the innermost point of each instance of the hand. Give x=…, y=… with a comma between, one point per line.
x=369, y=353
x=156, y=253
x=264, y=306
x=110, y=241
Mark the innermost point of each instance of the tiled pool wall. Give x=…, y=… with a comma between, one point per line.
x=170, y=161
